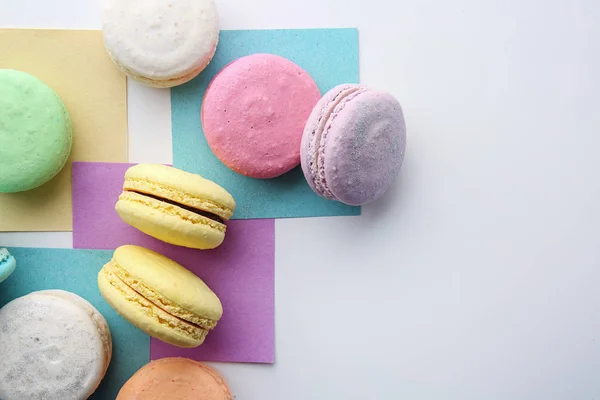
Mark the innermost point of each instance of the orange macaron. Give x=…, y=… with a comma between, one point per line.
x=175, y=379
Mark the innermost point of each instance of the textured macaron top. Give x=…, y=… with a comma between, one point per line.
x=35, y=132
x=175, y=378
x=254, y=111
x=167, y=284
x=54, y=344
x=94, y=314
x=160, y=38
x=353, y=144
x=182, y=187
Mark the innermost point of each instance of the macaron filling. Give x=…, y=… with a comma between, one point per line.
x=207, y=214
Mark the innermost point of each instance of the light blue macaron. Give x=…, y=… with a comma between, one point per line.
x=7, y=264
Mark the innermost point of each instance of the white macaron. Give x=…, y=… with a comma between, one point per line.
x=161, y=43
x=54, y=345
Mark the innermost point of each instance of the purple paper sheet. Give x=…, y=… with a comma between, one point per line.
x=240, y=271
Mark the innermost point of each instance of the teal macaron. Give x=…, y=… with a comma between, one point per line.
x=7, y=264
x=35, y=132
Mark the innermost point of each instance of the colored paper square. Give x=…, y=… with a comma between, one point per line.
x=329, y=55
x=77, y=271
x=75, y=65
x=240, y=271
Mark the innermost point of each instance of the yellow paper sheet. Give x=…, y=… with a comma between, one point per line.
x=75, y=64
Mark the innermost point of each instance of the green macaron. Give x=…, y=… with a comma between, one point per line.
x=35, y=132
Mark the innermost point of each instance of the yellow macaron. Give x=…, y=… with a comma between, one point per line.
x=159, y=296
x=175, y=206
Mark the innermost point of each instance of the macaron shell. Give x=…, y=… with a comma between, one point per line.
x=35, y=132
x=159, y=296
x=175, y=379
x=365, y=147
x=145, y=315
x=51, y=348
x=254, y=111
x=161, y=43
x=8, y=264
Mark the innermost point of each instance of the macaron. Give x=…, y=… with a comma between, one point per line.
x=55, y=345
x=353, y=144
x=35, y=132
x=7, y=264
x=253, y=114
x=175, y=206
x=159, y=296
x=161, y=43
x=175, y=378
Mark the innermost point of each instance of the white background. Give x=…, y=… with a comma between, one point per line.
x=477, y=276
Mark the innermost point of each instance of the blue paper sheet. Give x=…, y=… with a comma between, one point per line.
x=76, y=271
x=329, y=55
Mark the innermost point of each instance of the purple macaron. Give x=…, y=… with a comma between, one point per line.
x=353, y=144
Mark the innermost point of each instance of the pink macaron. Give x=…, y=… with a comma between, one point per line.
x=254, y=112
x=353, y=144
